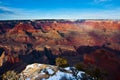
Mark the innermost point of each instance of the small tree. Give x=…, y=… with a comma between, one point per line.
x=10, y=75
x=61, y=62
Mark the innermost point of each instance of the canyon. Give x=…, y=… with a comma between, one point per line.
x=24, y=42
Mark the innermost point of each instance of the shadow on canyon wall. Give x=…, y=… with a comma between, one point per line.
x=44, y=57
x=47, y=57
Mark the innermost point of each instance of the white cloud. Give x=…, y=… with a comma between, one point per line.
x=5, y=8
x=101, y=1
x=10, y=10
x=59, y=14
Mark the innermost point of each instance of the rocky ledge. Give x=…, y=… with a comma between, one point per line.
x=47, y=72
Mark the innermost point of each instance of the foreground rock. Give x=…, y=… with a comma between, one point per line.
x=47, y=72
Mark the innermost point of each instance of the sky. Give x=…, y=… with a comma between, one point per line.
x=59, y=9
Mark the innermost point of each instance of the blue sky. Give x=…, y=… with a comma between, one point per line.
x=59, y=9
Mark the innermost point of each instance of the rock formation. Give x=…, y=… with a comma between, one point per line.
x=2, y=58
x=25, y=42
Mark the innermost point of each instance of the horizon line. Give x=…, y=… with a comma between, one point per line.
x=58, y=19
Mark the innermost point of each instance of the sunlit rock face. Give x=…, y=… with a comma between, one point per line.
x=21, y=28
x=2, y=58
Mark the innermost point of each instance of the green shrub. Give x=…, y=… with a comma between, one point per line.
x=10, y=75
x=61, y=62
